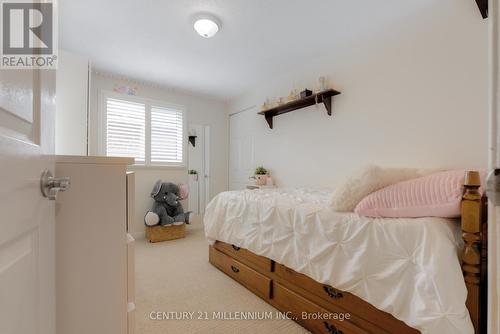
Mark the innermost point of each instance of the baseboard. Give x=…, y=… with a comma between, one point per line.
x=138, y=235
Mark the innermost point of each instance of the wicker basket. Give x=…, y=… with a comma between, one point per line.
x=163, y=233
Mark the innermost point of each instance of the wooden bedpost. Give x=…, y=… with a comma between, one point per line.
x=474, y=256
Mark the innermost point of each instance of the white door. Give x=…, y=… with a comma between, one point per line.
x=241, y=151
x=206, y=168
x=27, y=250
x=195, y=162
x=199, y=160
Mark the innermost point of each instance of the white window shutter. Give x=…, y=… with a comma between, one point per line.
x=166, y=135
x=125, y=129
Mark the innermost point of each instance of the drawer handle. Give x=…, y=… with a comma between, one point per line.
x=334, y=294
x=234, y=269
x=331, y=328
x=236, y=248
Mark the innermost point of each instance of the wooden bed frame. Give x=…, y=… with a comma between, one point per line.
x=328, y=310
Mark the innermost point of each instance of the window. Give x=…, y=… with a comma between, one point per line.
x=125, y=129
x=166, y=135
x=148, y=131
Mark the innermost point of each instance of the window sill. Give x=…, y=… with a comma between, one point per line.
x=156, y=167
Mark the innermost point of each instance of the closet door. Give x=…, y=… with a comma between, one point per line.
x=241, y=152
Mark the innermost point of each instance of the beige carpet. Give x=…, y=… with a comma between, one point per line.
x=175, y=276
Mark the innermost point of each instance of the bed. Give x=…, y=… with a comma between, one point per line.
x=342, y=273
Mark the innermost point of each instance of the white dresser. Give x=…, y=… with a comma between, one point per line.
x=94, y=254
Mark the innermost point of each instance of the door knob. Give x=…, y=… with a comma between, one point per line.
x=51, y=186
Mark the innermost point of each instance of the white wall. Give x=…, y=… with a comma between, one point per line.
x=200, y=110
x=414, y=94
x=71, y=103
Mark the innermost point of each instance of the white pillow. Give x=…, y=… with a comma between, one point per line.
x=367, y=180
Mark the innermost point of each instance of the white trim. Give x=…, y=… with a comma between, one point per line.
x=87, y=107
x=95, y=160
x=155, y=167
x=493, y=321
x=147, y=150
x=138, y=235
x=101, y=126
x=101, y=121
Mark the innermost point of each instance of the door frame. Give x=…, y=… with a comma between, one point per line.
x=493, y=324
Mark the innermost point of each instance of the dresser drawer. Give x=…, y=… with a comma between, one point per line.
x=310, y=315
x=243, y=255
x=330, y=297
x=251, y=279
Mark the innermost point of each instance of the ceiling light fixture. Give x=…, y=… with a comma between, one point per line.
x=206, y=26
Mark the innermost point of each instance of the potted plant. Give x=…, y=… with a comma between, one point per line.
x=193, y=174
x=261, y=176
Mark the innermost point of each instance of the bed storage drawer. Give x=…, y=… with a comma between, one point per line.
x=251, y=279
x=307, y=313
x=330, y=297
x=242, y=254
x=321, y=290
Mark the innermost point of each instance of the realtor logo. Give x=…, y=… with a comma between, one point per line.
x=28, y=36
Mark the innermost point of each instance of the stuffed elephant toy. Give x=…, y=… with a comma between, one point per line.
x=167, y=209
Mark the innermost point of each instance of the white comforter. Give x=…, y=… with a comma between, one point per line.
x=407, y=267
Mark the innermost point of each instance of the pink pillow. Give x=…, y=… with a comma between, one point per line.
x=435, y=195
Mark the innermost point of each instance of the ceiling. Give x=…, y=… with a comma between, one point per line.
x=154, y=40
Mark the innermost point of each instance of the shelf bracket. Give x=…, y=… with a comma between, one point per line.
x=483, y=7
x=192, y=140
x=269, y=119
x=327, y=101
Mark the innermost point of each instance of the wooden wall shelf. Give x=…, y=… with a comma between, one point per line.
x=324, y=97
